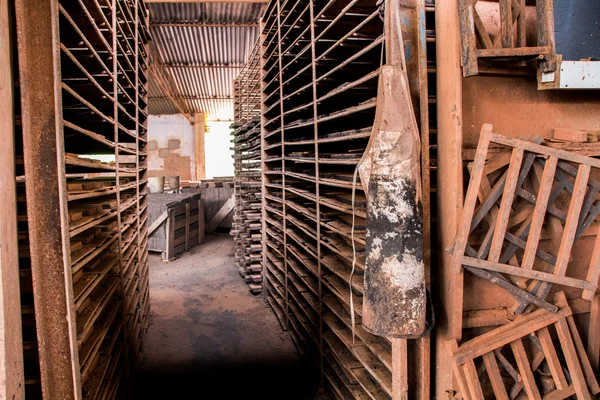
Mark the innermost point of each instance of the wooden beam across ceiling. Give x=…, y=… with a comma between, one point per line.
x=205, y=1
x=202, y=25
x=191, y=98
x=206, y=66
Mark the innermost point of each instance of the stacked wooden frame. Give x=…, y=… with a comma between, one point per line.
x=246, y=227
x=246, y=89
x=528, y=228
x=82, y=222
x=320, y=64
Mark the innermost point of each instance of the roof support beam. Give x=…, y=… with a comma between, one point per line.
x=208, y=66
x=202, y=24
x=206, y=1
x=190, y=98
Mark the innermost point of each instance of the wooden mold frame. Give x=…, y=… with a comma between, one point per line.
x=511, y=197
x=520, y=349
x=511, y=40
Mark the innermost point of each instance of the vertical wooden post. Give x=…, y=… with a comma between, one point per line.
x=12, y=380
x=423, y=347
x=199, y=131
x=450, y=179
x=317, y=187
x=468, y=52
x=201, y=222
x=545, y=33
x=593, y=342
x=170, y=235
x=399, y=369
x=506, y=23
x=43, y=148
x=187, y=226
x=282, y=124
x=263, y=157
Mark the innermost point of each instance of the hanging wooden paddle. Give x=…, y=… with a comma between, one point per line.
x=394, y=302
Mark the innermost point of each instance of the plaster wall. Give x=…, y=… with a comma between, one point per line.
x=171, y=148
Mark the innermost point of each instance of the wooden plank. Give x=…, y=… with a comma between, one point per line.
x=515, y=291
x=480, y=31
x=199, y=133
x=472, y=380
x=459, y=374
x=206, y=1
x=399, y=369
x=593, y=271
x=539, y=213
x=170, y=236
x=506, y=204
x=12, y=379
x=520, y=7
x=158, y=222
x=570, y=135
x=526, y=273
x=586, y=366
x=201, y=224
x=564, y=252
x=506, y=23
x=423, y=372
x=540, y=149
x=220, y=215
x=471, y=197
x=513, y=52
x=466, y=9
x=493, y=371
x=593, y=342
x=508, y=333
x=525, y=370
x=552, y=359
x=577, y=378
x=187, y=225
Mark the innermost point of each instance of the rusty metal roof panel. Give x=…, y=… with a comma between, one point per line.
x=224, y=13
x=202, y=60
x=194, y=45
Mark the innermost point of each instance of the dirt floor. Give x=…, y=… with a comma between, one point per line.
x=209, y=338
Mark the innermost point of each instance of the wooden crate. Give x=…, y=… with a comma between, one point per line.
x=178, y=222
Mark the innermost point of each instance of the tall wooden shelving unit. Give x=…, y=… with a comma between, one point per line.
x=320, y=64
x=246, y=227
x=319, y=87
x=246, y=89
x=82, y=222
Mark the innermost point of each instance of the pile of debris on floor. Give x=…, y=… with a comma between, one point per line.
x=529, y=229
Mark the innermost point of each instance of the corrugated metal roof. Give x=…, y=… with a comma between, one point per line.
x=202, y=60
x=226, y=13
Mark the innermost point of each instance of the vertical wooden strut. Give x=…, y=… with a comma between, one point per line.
x=12, y=380
x=46, y=197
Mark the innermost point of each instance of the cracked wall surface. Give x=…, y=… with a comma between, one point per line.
x=171, y=147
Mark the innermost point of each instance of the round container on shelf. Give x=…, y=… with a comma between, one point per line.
x=174, y=182
x=156, y=184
